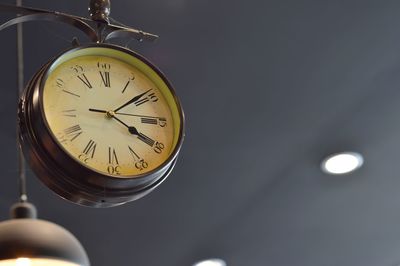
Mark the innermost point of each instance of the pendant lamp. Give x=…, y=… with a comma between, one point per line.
x=27, y=241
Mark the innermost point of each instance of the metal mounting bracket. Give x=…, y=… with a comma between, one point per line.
x=97, y=28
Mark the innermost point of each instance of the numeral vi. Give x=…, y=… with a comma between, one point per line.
x=113, y=164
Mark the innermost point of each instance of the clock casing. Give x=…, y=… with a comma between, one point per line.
x=66, y=175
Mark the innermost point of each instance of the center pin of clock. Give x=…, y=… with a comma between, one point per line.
x=110, y=114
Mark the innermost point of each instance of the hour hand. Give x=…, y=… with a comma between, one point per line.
x=111, y=114
x=97, y=110
x=131, y=129
x=134, y=99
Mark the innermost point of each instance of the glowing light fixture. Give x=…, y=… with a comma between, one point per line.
x=27, y=241
x=342, y=163
x=211, y=262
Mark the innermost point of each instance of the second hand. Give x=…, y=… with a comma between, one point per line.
x=104, y=111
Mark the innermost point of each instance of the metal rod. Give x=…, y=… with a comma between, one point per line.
x=20, y=86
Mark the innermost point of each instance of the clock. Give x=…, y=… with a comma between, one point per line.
x=100, y=125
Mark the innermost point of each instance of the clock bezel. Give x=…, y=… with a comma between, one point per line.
x=54, y=64
x=92, y=187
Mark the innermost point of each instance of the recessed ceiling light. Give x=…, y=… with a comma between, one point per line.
x=210, y=262
x=342, y=163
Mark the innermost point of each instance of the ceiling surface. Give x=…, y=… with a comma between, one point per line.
x=268, y=88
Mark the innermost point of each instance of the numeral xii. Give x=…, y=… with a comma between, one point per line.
x=105, y=74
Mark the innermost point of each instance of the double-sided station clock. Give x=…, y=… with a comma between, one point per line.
x=100, y=125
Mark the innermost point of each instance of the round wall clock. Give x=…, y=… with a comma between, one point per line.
x=100, y=125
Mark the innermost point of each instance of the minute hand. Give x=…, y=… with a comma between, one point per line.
x=134, y=99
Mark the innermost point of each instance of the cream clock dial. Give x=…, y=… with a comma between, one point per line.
x=100, y=125
x=108, y=115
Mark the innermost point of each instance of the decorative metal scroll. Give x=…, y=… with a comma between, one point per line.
x=97, y=28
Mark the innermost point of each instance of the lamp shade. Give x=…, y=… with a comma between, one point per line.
x=34, y=242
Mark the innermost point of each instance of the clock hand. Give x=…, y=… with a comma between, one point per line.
x=111, y=114
x=97, y=110
x=146, y=116
x=134, y=99
x=131, y=129
x=104, y=111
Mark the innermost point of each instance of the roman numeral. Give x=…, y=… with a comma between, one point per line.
x=69, y=113
x=82, y=77
x=152, y=121
x=112, y=156
x=140, y=163
x=61, y=84
x=151, y=97
x=127, y=84
x=73, y=132
x=71, y=93
x=146, y=139
x=90, y=149
x=105, y=77
x=141, y=101
x=135, y=156
x=105, y=73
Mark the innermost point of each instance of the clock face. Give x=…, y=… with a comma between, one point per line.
x=110, y=111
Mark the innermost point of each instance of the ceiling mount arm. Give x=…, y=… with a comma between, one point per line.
x=97, y=28
x=131, y=34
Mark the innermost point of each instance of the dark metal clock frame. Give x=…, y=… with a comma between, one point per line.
x=66, y=176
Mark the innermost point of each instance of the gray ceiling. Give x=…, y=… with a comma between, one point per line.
x=269, y=88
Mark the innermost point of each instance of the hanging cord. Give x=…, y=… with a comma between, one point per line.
x=20, y=86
